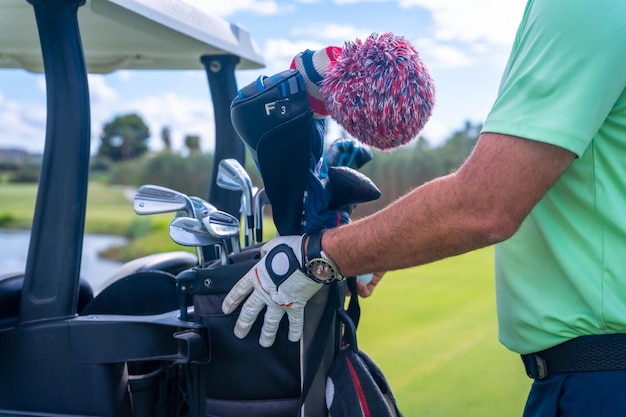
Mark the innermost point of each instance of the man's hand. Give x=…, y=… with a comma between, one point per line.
x=365, y=289
x=278, y=282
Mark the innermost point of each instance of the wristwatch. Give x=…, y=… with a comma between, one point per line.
x=317, y=264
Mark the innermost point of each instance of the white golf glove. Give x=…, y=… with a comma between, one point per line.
x=278, y=282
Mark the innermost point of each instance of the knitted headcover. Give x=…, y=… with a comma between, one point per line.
x=313, y=65
x=377, y=89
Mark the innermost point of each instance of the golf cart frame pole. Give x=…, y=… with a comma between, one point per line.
x=59, y=219
x=220, y=70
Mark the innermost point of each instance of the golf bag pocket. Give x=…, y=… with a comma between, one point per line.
x=355, y=385
x=241, y=377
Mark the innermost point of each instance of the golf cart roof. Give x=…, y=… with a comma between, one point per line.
x=131, y=34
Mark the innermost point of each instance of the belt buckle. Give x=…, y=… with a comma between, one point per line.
x=536, y=366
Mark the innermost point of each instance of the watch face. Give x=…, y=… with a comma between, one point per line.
x=321, y=269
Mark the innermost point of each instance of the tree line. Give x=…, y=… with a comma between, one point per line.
x=394, y=172
x=124, y=158
x=399, y=171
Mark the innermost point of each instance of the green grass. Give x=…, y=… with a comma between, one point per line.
x=108, y=211
x=432, y=330
x=17, y=204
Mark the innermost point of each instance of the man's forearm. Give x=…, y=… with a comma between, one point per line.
x=481, y=204
x=427, y=224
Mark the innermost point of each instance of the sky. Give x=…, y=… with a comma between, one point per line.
x=463, y=43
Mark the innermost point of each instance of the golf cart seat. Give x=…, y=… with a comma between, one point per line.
x=172, y=262
x=11, y=294
x=140, y=293
x=142, y=286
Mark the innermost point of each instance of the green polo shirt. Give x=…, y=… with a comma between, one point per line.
x=563, y=274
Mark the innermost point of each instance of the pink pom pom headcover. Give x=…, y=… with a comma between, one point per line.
x=379, y=91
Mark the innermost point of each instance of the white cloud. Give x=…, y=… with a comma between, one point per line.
x=41, y=83
x=471, y=21
x=125, y=75
x=345, y=2
x=183, y=115
x=278, y=54
x=336, y=33
x=99, y=90
x=231, y=7
x=435, y=131
x=22, y=125
x=442, y=56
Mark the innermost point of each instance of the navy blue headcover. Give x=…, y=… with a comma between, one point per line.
x=307, y=192
x=274, y=119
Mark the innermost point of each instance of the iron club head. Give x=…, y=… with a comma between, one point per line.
x=187, y=231
x=153, y=199
x=231, y=175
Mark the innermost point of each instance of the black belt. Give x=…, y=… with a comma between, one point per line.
x=606, y=352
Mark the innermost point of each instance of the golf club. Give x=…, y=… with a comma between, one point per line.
x=187, y=231
x=153, y=199
x=232, y=176
x=201, y=204
x=204, y=208
x=222, y=225
x=260, y=201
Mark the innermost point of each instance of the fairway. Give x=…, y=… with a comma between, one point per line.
x=108, y=209
x=433, y=331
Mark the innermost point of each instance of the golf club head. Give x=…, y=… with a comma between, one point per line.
x=349, y=187
x=153, y=199
x=187, y=231
x=202, y=207
x=221, y=224
x=231, y=175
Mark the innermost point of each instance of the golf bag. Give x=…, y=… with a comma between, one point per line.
x=325, y=374
x=242, y=378
x=274, y=120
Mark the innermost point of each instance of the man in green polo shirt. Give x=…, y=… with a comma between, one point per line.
x=563, y=274
x=547, y=184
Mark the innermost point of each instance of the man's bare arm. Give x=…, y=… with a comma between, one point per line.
x=483, y=203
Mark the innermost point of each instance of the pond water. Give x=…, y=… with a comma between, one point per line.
x=14, y=251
